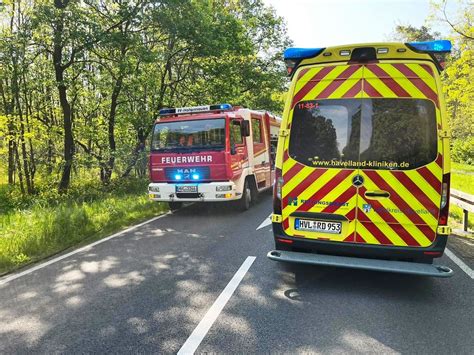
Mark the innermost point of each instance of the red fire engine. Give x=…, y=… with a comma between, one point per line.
x=212, y=153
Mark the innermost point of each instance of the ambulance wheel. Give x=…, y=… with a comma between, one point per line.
x=246, y=199
x=175, y=205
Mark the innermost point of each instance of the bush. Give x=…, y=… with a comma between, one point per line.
x=462, y=151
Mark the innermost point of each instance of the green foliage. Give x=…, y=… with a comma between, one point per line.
x=123, y=61
x=463, y=150
x=411, y=33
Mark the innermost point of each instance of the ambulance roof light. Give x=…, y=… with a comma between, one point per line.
x=438, y=46
x=292, y=56
x=194, y=109
x=301, y=53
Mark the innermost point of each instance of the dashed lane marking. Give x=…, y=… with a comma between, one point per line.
x=196, y=337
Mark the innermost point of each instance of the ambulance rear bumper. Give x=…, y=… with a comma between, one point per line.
x=403, y=267
x=384, y=252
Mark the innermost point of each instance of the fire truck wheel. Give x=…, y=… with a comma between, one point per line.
x=175, y=205
x=246, y=200
x=254, y=193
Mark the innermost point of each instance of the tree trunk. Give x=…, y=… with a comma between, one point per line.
x=59, y=68
x=109, y=166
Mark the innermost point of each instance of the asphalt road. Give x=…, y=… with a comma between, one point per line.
x=146, y=291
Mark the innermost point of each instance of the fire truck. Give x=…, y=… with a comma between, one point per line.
x=212, y=153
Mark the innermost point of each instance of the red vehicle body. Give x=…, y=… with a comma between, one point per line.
x=218, y=153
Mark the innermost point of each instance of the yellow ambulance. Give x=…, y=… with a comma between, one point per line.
x=363, y=163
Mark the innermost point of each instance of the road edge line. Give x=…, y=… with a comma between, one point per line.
x=12, y=277
x=459, y=263
x=199, y=333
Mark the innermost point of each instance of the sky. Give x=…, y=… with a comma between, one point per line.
x=323, y=23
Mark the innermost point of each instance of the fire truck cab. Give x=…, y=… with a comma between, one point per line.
x=212, y=153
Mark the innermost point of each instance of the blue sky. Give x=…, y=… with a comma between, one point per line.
x=321, y=23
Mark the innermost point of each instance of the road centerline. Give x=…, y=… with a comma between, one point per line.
x=199, y=333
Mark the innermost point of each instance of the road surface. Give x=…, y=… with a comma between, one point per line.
x=175, y=281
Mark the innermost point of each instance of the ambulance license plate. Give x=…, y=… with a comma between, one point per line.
x=186, y=188
x=318, y=226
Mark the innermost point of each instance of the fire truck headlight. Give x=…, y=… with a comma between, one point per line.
x=154, y=188
x=224, y=188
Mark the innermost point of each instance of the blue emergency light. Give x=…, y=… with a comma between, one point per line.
x=194, y=109
x=195, y=176
x=178, y=177
x=292, y=56
x=439, y=46
x=301, y=53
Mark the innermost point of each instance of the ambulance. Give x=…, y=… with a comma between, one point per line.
x=212, y=153
x=363, y=162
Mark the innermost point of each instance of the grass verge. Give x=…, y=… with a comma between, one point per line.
x=29, y=235
x=462, y=179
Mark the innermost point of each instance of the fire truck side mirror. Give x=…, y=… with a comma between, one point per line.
x=245, y=128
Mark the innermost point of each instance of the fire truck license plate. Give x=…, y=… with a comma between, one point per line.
x=318, y=226
x=186, y=188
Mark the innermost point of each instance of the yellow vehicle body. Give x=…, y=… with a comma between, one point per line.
x=363, y=156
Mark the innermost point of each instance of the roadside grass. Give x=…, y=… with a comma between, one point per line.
x=49, y=227
x=463, y=168
x=462, y=179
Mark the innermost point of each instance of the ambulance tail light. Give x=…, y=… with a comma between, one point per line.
x=444, y=207
x=277, y=191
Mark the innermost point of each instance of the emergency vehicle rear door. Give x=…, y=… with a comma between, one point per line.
x=319, y=198
x=400, y=156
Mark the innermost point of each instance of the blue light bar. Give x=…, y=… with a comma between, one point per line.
x=167, y=111
x=221, y=107
x=439, y=46
x=301, y=53
x=194, y=109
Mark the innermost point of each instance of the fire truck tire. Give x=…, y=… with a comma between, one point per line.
x=246, y=200
x=175, y=205
x=253, y=191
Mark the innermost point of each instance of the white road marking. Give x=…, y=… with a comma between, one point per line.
x=459, y=263
x=84, y=248
x=198, y=334
x=267, y=221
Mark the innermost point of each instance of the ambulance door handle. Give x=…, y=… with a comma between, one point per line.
x=377, y=194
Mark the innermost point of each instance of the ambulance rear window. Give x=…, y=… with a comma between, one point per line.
x=398, y=133
x=364, y=133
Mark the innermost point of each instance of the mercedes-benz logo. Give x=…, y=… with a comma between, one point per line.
x=357, y=181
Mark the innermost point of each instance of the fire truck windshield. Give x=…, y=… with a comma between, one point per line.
x=189, y=135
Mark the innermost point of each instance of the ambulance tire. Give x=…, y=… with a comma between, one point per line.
x=246, y=199
x=175, y=205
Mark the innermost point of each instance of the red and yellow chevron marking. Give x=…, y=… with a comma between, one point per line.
x=409, y=217
x=400, y=80
x=338, y=81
